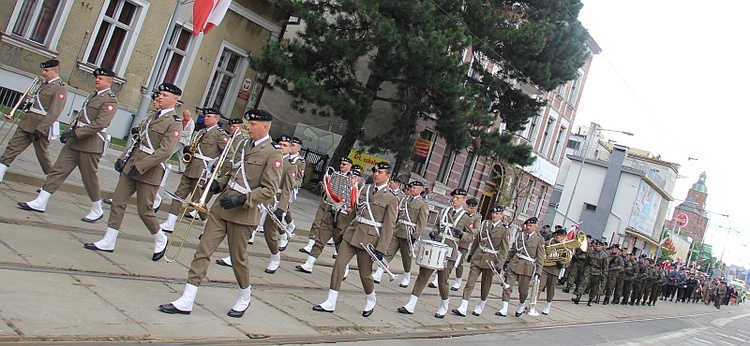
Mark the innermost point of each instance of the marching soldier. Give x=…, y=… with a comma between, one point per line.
x=526, y=262
x=490, y=246
x=300, y=163
x=720, y=293
x=464, y=246
x=85, y=143
x=577, y=267
x=613, y=272
x=367, y=235
x=627, y=267
x=205, y=148
x=648, y=281
x=656, y=288
x=142, y=170
x=329, y=223
x=236, y=212
x=454, y=223
x=36, y=127
x=596, y=264
x=550, y=273
x=639, y=274
x=627, y=286
x=412, y=218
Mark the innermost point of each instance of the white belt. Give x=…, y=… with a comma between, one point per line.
x=522, y=256
x=366, y=221
x=37, y=111
x=237, y=187
x=402, y=221
x=490, y=251
x=450, y=237
x=203, y=157
x=146, y=149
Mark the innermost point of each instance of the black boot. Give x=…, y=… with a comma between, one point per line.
x=616, y=301
x=566, y=289
x=576, y=299
x=589, y=303
x=606, y=301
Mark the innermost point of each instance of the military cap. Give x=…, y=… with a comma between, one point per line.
x=296, y=140
x=472, y=202
x=346, y=159
x=416, y=183
x=357, y=168
x=171, y=88
x=211, y=110
x=283, y=138
x=381, y=165
x=102, y=71
x=235, y=121
x=498, y=208
x=545, y=226
x=154, y=95
x=459, y=192
x=50, y=63
x=396, y=179
x=357, y=173
x=532, y=221
x=616, y=246
x=560, y=232
x=258, y=115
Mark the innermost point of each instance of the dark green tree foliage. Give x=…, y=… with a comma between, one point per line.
x=351, y=49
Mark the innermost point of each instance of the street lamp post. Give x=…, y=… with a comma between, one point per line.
x=583, y=162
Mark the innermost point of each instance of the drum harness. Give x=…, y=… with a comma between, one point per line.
x=371, y=221
x=148, y=147
x=101, y=134
x=448, y=227
x=525, y=256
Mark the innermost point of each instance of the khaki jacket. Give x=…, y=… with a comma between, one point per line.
x=51, y=98
x=384, y=206
x=464, y=223
x=497, y=238
x=415, y=210
x=212, y=144
x=99, y=111
x=300, y=163
x=288, y=178
x=164, y=133
x=467, y=239
x=533, y=247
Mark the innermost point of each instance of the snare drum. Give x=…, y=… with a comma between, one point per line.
x=431, y=254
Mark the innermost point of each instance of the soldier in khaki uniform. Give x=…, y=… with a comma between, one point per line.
x=209, y=143
x=412, y=218
x=596, y=264
x=464, y=246
x=550, y=273
x=41, y=116
x=85, y=143
x=454, y=223
x=329, y=223
x=299, y=162
x=142, y=169
x=616, y=265
x=254, y=176
x=526, y=261
x=489, y=248
x=376, y=215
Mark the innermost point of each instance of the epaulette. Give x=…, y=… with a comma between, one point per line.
x=61, y=83
x=275, y=145
x=111, y=94
x=176, y=118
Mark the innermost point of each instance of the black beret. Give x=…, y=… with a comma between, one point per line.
x=169, y=87
x=396, y=179
x=532, y=221
x=381, y=165
x=459, y=192
x=616, y=246
x=258, y=115
x=346, y=159
x=356, y=173
x=416, y=183
x=472, y=202
x=49, y=63
x=283, y=138
x=104, y=72
x=357, y=168
x=211, y=110
x=296, y=140
x=560, y=232
x=498, y=208
x=154, y=95
x=235, y=121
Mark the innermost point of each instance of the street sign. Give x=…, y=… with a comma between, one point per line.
x=681, y=220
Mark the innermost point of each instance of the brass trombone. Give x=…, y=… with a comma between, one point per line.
x=27, y=96
x=383, y=264
x=199, y=206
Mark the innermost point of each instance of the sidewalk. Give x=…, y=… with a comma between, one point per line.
x=55, y=290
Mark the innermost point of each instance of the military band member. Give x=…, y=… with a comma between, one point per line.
x=300, y=163
x=329, y=223
x=596, y=264
x=36, y=127
x=289, y=196
x=464, y=246
x=412, y=218
x=616, y=265
x=490, y=246
x=85, y=143
x=551, y=273
x=143, y=171
x=526, y=258
x=376, y=215
x=454, y=222
x=236, y=212
x=209, y=143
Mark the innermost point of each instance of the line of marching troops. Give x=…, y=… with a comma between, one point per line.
x=252, y=181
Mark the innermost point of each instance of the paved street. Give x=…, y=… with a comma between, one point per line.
x=55, y=290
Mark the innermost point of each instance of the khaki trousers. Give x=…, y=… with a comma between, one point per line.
x=424, y=277
x=474, y=272
x=20, y=141
x=146, y=193
x=364, y=263
x=548, y=281
x=523, y=285
x=401, y=245
x=214, y=233
x=88, y=165
x=187, y=185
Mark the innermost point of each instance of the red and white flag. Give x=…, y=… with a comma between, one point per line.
x=208, y=14
x=572, y=232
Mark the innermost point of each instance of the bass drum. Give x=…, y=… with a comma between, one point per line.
x=431, y=254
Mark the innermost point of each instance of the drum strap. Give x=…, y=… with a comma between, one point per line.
x=369, y=211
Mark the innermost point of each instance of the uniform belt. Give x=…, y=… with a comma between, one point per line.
x=486, y=250
x=146, y=149
x=237, y=187
x=203, y=157
x=37, y=111
x=522, y=256
x=408, y=223
x=366, y=221
x=450, y=237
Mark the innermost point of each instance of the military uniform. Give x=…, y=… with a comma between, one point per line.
x=627, y=266
x=36, y=126
x=548, y=280
x=639, y=274
x=299, y=162
x=282, y=202
x=656, y=288
x=464, y=246
x=613, y=271
x=596, y=265
x=629, y=275
x=526, y=260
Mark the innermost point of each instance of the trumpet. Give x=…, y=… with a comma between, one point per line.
x=383, y=264
x=199, y=206
x=24, y=100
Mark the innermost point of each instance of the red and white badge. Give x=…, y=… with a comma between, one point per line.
x=277, y=164
x=471, y=226
x=176, y=133
x=293, y=174
x=110, y=107
x=61, y=96
x=224, y=139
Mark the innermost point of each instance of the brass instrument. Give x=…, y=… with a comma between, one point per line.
x=269, y=209
x=534, y=297
x=187, y=157
x=26, y=99
x=499, y=274
x=383, y=264
x=563, y=252
x=199, y=206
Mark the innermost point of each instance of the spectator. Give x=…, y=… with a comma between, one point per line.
x=187, y=133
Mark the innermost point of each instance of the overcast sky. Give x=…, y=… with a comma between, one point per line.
x=677, y=74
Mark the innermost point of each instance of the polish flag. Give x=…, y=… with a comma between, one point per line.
x=208, y=14
x=572, y=232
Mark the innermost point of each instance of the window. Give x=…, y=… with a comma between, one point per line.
x=446, y=164
x=575, y=90
x=113, y=41
x=176, y=56
x=546, y=137
x=540, y=200
x=229, y=65
x=420, y=163
x=589, y=207
x=38, y=23
x=530, y=132
x=471, y=162
x=560, y=138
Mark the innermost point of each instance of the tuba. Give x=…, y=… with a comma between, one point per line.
x=563, y=252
